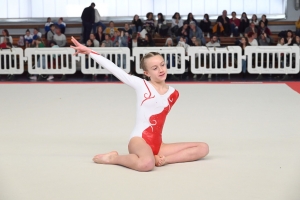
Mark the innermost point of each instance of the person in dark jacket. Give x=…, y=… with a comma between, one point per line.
x=205, y=25
x=88, y=19
x=224, y=21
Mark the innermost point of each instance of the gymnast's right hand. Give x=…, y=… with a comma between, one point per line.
x=79, y=47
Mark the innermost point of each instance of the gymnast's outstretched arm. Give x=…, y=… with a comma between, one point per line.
x=130, y=80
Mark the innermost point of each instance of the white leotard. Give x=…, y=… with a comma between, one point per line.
x=152, y=108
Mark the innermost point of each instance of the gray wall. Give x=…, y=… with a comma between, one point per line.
x=292, y=13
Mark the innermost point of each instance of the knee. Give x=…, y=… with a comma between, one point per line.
x=203, y=149
x=146, y=164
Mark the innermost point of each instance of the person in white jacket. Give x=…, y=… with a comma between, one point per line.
x=98, y=22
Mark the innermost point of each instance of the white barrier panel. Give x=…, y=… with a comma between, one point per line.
x=51, y=60
x=118, y=55
x=272, y=59
x=174, y=58
x=215, y=60
x=11, y=61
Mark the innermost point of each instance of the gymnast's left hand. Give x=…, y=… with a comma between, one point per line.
x=79, y=47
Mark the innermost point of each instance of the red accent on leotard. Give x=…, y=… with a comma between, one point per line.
x=149, y=97
x=153, y=134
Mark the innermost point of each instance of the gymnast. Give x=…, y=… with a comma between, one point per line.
x=154, y=101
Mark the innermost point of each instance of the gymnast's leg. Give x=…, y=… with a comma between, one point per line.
x=181, y=152
x=140, y=157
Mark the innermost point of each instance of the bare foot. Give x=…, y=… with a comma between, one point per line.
x=105, y=158
x=160, y=160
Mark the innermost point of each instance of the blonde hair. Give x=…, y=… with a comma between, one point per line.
x=145, y=57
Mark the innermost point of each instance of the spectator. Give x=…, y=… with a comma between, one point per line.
x=213, y=42
x=59, y=38
x=264, y=40
x=133, y=42
x=297, y=23
x=197, y=32
x=121, y=40
x=251, y=39
x=6, y=35
x=195, y=42
x=111, y=29
x=161, y=25
x=36, y=34
x=234, y=25
x=205, y=25
x=183, y=31
x=51, y=33
x=254, y=20
x=107, y=42
x=127, y=30
x=28, y=38
x=183, y=43
x=100, y=36
x=289, y=38
x=95, y=42
x=244, y=23
x=251, y=28
x=191, y=18
x=243, y=44
x=176, y=22
x=97, y=21
x=3, y=44
x=297, y=41
x=264, y=19
x=263, y=29
x=223, y=24
x=137, y=24
x=148, y=41
x=169, y=42
x=149, y=23
x=116, y=33
x=88, y=19
x=62, y=25
x=47, y=25
x=89, y=43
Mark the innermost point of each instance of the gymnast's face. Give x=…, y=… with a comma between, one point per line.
x=156, y=68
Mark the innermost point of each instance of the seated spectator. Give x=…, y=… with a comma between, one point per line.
x=222, y=25
x=197, y=32
x=244, y=23
x=95, y=42
x=111, y=29
x=289, y=38
x=251, y=39
x=127, y=30
x=264, y=19
x=161, y=26
x=191, y=18
x=195, y=42
x=297, y=23
x=3, y=44
x=183, y=43
x=213, y=42
x=205, y=25
x=133, y=41
x=36, y=34
x=28, y=38
x=62, y=25
x=100, y=36
x=147, y=41
x=252, y=29
x=149, y=23
x=51, y=33
x=243, y=44
x=297, y=41
x=262, y=28
x=169, y=42
x=254, y=20
x=116, y=33
x=107, y=42
x=97, y=21
x=136, y=24
x=183, y=31
x=121, y=40
x=5, y=35
x=234, y=25
x=39, y=43
x=47, y=25
x=59, y=38
x=177, y=23
x=264, y=40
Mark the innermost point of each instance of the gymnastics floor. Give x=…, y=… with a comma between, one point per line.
x=49, y=134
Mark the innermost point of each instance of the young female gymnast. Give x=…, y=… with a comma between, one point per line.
x=154, y=101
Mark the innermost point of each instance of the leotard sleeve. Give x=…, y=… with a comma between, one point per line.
x=130, y=80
